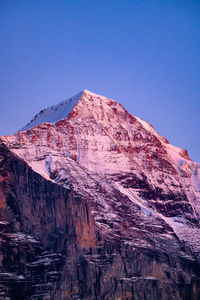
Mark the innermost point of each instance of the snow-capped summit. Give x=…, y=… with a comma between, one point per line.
x=54, y=113
x=57, y=112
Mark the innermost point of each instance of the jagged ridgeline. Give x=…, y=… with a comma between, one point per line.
x=96, y=204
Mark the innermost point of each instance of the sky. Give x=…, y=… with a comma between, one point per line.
x=143, y=53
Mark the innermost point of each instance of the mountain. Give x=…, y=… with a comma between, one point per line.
x=95, y=204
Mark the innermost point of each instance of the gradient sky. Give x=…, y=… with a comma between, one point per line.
x=143, y=53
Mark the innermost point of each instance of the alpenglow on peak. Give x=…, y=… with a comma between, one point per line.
x=57, y=112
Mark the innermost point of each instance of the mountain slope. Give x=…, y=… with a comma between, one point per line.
x=143, y=194
x=54, y=113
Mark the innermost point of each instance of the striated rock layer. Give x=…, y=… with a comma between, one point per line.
x=95, y=204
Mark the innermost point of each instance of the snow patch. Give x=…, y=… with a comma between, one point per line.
x=48, y=163
x=146, y=211
x=54, y=113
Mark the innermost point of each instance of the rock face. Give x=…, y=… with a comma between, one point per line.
x=95, y=204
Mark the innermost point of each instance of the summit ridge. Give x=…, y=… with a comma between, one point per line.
x=54, y=113
x=58, y=111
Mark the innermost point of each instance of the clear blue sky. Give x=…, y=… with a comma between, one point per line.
x=143, y=53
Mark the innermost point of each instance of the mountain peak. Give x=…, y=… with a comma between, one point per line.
x=59, y=111
x=56, y=112
x=90, y=93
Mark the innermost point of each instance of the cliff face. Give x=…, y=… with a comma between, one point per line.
x=52, y=249
x=97, y=205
